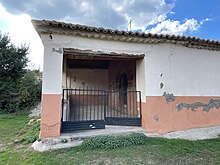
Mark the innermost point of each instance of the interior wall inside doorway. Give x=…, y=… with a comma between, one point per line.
x=83, y=78
x=110, y=78
x=117, y=70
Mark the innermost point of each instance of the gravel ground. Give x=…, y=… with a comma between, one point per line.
x=54, y=143
x=75, y=139
x=36, y=111
x=192, y=134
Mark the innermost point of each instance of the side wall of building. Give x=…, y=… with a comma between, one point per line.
x=182, y=87
x=51, y=92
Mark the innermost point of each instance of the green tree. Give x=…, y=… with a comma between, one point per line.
x=30, y=88
x=14, y=76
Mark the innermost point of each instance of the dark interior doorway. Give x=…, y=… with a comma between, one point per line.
x=123, y=87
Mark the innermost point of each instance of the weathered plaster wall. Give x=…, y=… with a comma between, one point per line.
x=83, y=78
x=118, y=68
x=168, y=68
x=53, y=62
x=182, y=88
x=165, y=117
x=141, y=78
x=182, y=71
x=50, y=115
x=51, y=93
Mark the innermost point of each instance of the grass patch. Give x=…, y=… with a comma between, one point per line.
x=110, y=142
x=33, y=134
x=14, y=128
x=153, y=151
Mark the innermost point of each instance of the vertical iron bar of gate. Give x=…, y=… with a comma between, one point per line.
x=62, y=106
x=64, y=97
x=114, y=105
x=118, y=105
x=79, y=105
x=140, y=104
x=75, y=112
x=72, y=102
x=122, y=108
x=134, y=102
x=83, y=104
x=68, y=101
x=121, y=112
x=73, y=105
x=87, y=103
x=94, y=102
x=127, y=95
x=105, y=108
x=105, y=101
x=102, y=103
x=125, y=103
x=110, y=105
x=98, y=110
x=90, y=107
x=130, y=104
x=70, y=108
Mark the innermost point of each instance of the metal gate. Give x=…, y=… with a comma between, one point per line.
x=124, y=108
x=84, y=109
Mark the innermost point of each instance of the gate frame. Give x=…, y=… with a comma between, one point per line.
x=69, y=126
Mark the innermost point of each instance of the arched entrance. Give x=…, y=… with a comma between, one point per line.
x=123, y=88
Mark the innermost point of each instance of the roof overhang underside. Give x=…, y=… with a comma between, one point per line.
x=55, y=27
x=88, y=59
x=78, y=54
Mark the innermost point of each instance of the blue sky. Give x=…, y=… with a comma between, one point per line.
x=200, y=9
x=200, y=18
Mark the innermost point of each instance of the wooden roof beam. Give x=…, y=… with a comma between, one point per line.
x=72, y=53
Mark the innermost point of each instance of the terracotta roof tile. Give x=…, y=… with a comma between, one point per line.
x=48, y=26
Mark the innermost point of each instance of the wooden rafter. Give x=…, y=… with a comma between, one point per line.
x=72, y=53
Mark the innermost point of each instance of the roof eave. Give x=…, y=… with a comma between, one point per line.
x=51, y=27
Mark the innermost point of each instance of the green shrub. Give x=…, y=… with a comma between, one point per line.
x=33, y=135
x=30, y=89
x=110, y=142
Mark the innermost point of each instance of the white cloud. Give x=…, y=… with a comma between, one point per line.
x=176, y=27
x=113, y=14
x=145, y=13
x=21, y=31
x=107, y=13
x=161, y=17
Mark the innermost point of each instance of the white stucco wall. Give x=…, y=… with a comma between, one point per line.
x=141, y=78
x=52, y=72
x=183, y=71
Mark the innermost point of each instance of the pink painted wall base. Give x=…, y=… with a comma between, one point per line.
x=160, y=116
